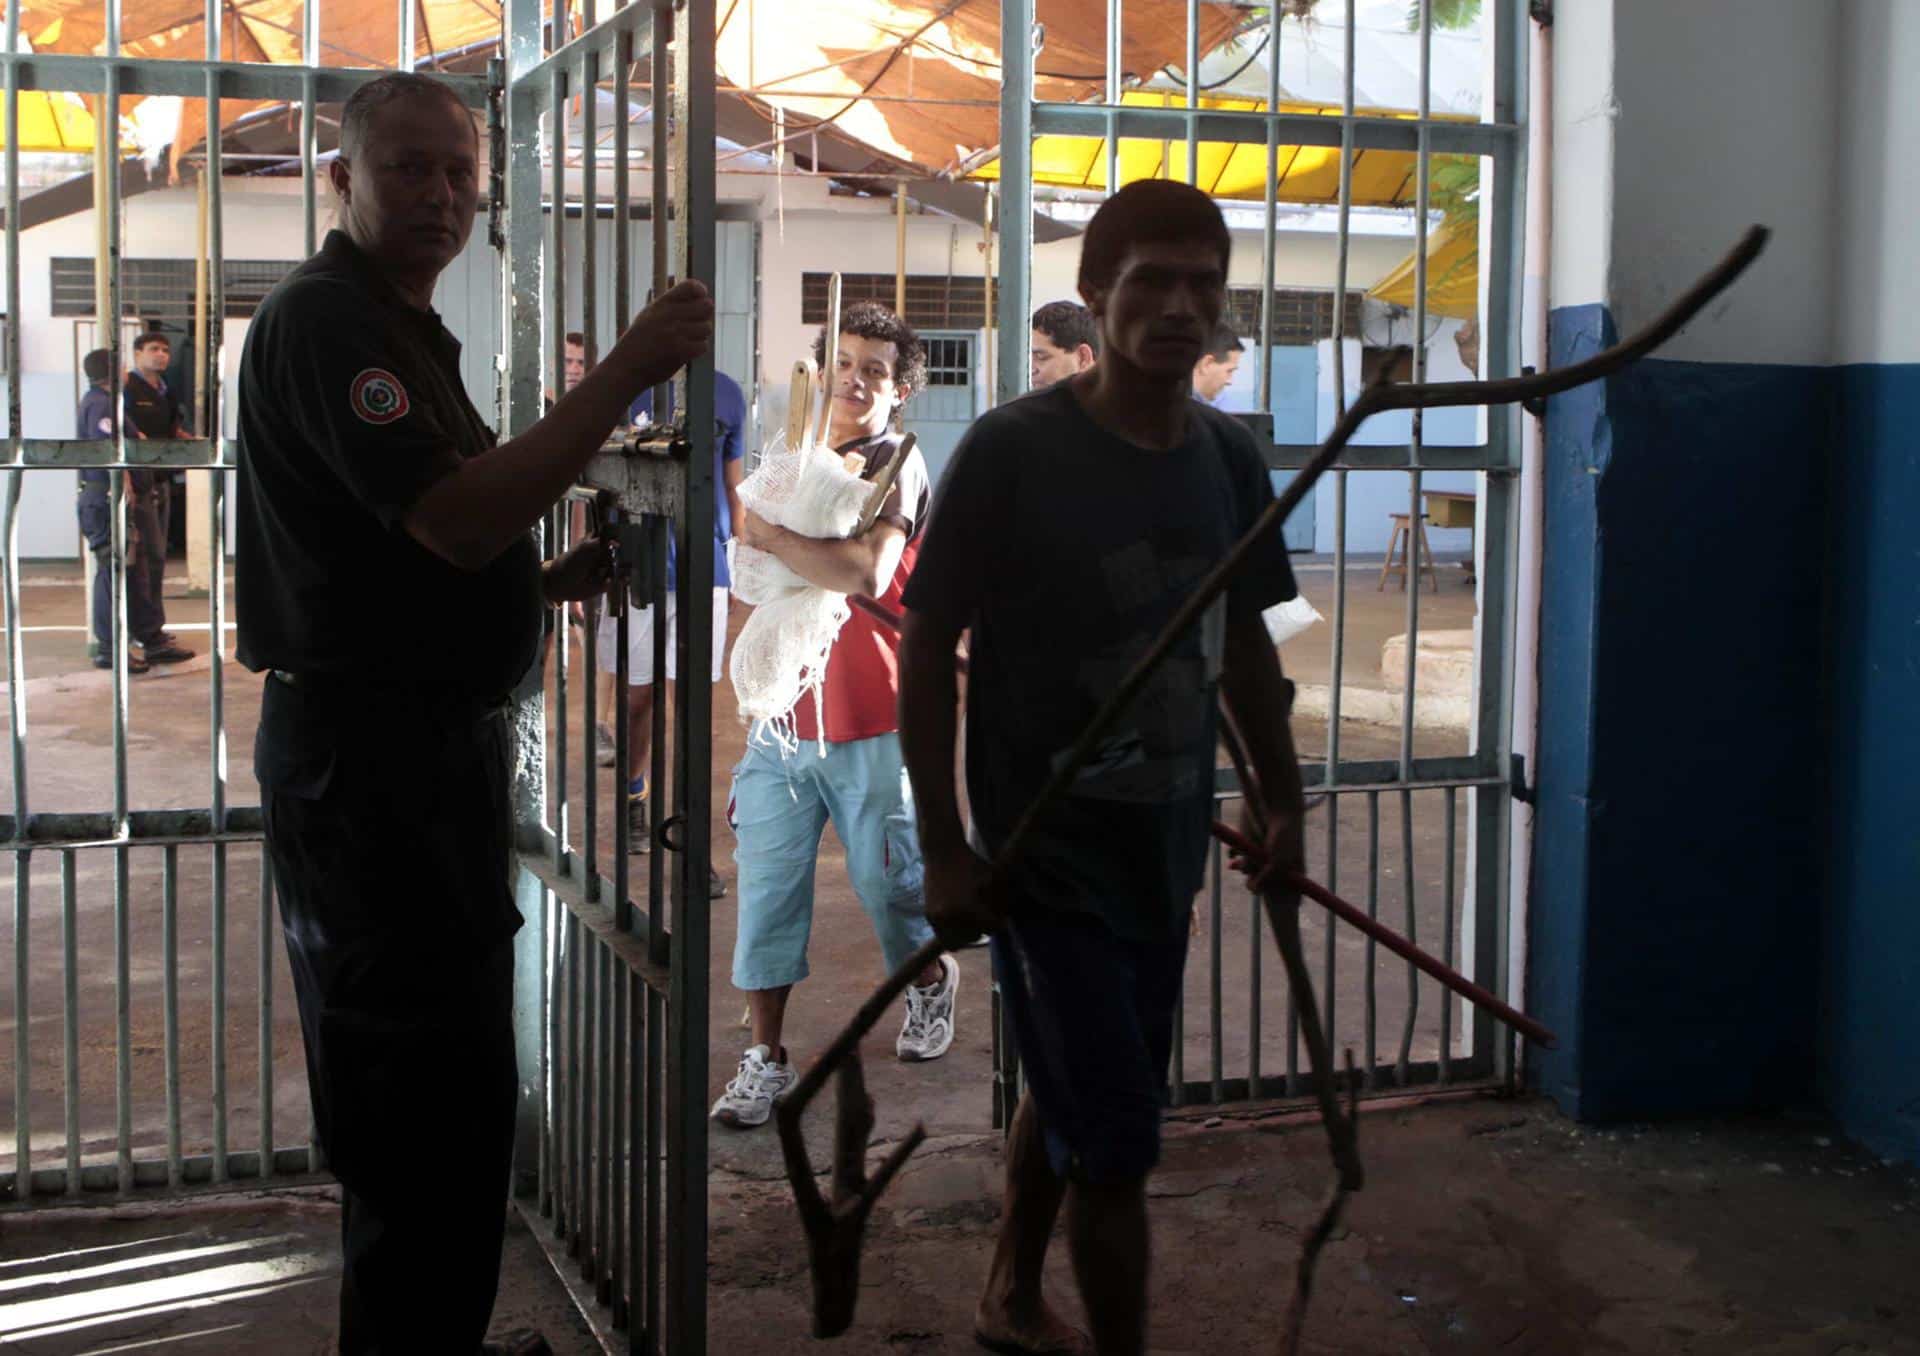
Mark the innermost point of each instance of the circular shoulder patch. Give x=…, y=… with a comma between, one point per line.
x=378, y=397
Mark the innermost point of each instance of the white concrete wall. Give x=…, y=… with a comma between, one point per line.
x=1583, y=112
x=1728, y=114
x=1877, y=285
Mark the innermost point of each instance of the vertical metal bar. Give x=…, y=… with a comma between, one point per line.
x=1409, y=889
x=1446, y=941
x=657, y=882
x=1416, y=526
x=22, y=1026
x=266, y=1012
x=1373, y=911
x=1215, y=1006
x=123, y=1034
x=409, y=41
x=1340, y=473
x=620, y=1060
x=555, y=1118
x=1489, y=810
x=309, y=151
x=587, y=1210
x=170, y=999
x=557, y=378
x=622, y=752
x=10, y=528
x=656, y=1080
x=1115, y=61
x=13, y=254
x=686, y=1261
x=217, y=983
x=1268, y=222
x=605, y=1092
x=576, y=1086
x=123, y=1020
x=1193, y=91
x=1016, y=198
x=639, y=1137
x=310, y=42
x=660, y=189
x=70, y=1010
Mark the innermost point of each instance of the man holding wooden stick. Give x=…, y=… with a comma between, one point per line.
x=1073, y=524
x=846, y=763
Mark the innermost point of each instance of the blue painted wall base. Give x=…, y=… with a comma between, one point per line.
x=1870, y=1002
x=1674, y=916
x=1725, y=906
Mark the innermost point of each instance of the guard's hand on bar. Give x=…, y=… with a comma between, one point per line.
x=676, y=328
x=583, y=572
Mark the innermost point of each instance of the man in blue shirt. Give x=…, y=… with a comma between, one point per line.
x=730, y=416
x=95, y=508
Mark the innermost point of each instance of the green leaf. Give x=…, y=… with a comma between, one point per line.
x=1448, y=15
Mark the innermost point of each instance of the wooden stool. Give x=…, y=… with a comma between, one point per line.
x=1405, y=542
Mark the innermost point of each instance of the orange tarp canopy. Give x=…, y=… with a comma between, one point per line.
x=934, y=65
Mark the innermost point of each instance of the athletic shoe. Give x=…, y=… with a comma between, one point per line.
x=603, y=749
x=928, y=1031
x=158, y=653
x=716, y=888
x=749, y=1098
x=135, y=664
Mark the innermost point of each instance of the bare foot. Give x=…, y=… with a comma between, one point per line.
x=1041, y=1333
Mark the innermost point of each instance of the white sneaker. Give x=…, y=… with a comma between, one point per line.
x=603, y=745
x=749, y=1098
x=928, y=1031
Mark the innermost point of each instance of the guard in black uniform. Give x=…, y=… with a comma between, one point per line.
x=389, y=585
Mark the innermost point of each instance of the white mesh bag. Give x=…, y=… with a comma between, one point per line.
x=781, y=654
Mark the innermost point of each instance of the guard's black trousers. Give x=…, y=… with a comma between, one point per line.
x=389, y=823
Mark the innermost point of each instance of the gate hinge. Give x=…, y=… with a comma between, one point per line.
x=1517, y=783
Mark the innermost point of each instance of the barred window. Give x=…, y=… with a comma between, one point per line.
x=934, y=300
x=1301, y=316
x=163, y=289
x=949, y=360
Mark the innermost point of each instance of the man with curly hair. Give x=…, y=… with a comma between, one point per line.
x=847, y=765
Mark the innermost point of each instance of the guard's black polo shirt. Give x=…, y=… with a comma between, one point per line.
x=351, y=405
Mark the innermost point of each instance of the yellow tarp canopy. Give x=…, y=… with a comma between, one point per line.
x=1305, y=174
x=1453, y=273
x=51, y=122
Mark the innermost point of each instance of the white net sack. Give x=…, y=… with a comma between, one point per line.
x=781, y=654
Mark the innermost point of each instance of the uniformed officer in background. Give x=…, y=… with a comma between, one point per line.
x=388, y=584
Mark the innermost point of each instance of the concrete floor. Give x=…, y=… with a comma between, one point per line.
x=231, y=1274
x=1486, y=1226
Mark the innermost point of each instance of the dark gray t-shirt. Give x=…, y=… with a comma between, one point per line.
x=1066, y=549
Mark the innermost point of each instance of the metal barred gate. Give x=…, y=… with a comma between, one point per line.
x=1238, y=1038
x=619, y=1030
x=611, y=993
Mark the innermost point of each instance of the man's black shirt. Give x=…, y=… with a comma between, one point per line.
x=351, y=406
x=153, y=412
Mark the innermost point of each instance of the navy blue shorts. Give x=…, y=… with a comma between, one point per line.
x=1092, y=1015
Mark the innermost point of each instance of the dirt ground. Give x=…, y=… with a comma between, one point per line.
x=1486, y=1226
